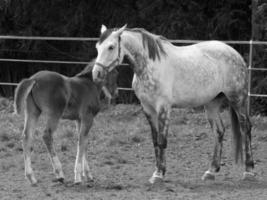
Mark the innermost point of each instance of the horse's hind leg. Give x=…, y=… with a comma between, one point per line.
x=31, y=117
x=240, y=109
x=81, y=169
x=51, y=125
x=213, y=116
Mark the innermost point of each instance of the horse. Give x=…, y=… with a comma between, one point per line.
x=58, y=97
x=167, y=76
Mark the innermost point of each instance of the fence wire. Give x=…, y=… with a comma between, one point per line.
x=13, y=37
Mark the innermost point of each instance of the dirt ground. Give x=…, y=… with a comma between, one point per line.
x=121, y=157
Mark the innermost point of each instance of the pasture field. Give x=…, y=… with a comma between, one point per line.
x=121, y=157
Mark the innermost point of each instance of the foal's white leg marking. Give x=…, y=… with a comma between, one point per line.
x=78, y=168
x=86, y=169
x=28, y=170
x=27, y=143
x=57, y=167
x=81, y=148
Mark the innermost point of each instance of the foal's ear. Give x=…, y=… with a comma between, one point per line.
x=119, y=32
x=103, y=28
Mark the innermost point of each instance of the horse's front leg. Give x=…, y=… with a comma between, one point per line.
x=159, y=127
x=152, y=119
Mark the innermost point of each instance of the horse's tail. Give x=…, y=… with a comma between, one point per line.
x=237, y=137
x=21, y=92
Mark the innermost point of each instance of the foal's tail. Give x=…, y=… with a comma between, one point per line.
x=237, y=137
x=21, y=92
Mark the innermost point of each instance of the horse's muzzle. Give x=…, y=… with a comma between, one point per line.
x=98, y=74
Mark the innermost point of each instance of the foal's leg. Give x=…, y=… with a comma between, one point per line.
x=86, y=175
x=213, y=116
x=82, y=169
x=31, y=116
x=50, y=128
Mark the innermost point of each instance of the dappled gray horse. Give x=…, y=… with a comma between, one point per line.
x=57, y=96
x=165, y=75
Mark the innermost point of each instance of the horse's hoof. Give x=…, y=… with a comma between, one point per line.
x=77, y=183
x=88, y=178
x=155, y=180
x=90, y=183
x=208, y=176
x=60, y=180
x=249, y=176
x=156, y=177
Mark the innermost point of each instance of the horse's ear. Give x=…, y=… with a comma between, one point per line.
x=103, y=28
x=119, y=32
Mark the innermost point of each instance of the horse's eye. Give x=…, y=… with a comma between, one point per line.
x=111, y=47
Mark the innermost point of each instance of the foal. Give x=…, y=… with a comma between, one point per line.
x=59, y=97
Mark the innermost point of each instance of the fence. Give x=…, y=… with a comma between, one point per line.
x=250, y=68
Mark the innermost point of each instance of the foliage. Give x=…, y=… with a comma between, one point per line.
x=259, y=82
x=175, y=19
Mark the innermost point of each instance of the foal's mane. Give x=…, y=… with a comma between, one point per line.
x=152, y=42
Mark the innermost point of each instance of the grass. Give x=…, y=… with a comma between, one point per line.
x=121, y=157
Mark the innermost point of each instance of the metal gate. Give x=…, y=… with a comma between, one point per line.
x=250, y=64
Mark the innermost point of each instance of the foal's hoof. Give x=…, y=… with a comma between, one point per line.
x=249, y=176
x=32, y=180
x=59, y=180
x=34, y=183
x=208, y=176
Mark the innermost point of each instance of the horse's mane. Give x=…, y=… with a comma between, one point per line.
x=152, y=42
x=87, y=71
x=105, y=35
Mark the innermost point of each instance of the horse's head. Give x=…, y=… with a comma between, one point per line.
x=109, y=52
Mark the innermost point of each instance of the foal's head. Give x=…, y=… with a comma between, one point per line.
x=109, y=52
x=109, y=82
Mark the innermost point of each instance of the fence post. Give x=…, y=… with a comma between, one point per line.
x=249, y=75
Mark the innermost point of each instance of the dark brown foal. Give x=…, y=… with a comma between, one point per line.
x=59, y=97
